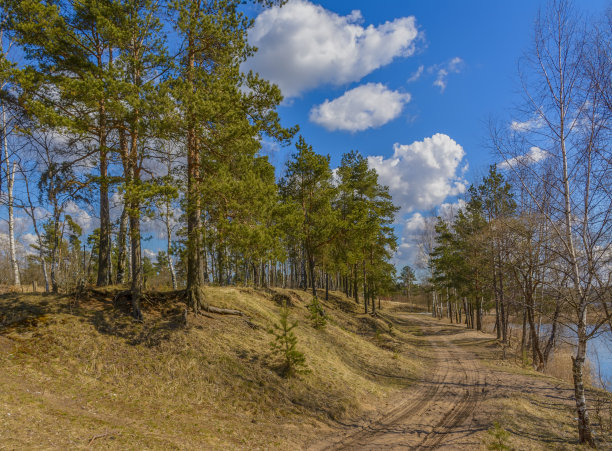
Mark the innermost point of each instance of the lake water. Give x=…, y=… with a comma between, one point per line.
x=600, y=355
x=599, y=352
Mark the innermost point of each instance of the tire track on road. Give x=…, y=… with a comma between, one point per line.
x=456, y=377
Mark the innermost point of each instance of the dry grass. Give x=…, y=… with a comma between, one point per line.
x=534, y=425
x=76, y=375
x=560, y=366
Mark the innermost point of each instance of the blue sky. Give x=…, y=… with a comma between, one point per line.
x=411, y=84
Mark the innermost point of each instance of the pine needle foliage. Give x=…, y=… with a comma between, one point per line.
x=499, y=437
x=317, y=314
x=284, y=344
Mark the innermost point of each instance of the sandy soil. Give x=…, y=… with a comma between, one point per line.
x=457, y=402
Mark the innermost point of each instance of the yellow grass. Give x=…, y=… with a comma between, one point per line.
x=81, y=375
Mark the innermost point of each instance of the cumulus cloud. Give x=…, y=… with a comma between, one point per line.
x=80, y=216
x=20, y=249
x=151, y=255
x=454, y=66
x=534, y=155
x=418, y=232
x=29, y=240
x=303, y=45
x=367, y=106
x=423, y=174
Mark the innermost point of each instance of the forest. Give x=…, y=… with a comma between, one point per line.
x=108, y=110
x=140, y=111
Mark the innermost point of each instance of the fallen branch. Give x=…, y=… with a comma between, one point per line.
x=95, y=437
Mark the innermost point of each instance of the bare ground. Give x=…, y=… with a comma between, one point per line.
x=460, y=397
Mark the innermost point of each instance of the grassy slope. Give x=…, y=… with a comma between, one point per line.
x=75, y=375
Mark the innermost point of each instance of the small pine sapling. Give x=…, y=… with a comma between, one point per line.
x=499, y=437
x=285, y=342
x=317, y=314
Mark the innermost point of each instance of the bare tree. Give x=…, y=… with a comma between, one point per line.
x=10, y=166
x=29, y=207
x=562, y=140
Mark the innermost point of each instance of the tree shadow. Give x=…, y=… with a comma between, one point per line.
x=19, y=313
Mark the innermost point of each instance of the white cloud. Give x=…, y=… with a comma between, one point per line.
x=367, y=106
x=418, y=233
x=20, y=249
x=423, y=174
x=448, y=211
x=28, y=240
x=408, y=251
x=454, y=66
x=303, y=45
x=534, y=155
x=525, y=126
x=414, y=77
x=151, y=255
x=80, y=216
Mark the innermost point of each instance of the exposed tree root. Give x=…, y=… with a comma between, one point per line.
x=195, y=300
x=222, y=311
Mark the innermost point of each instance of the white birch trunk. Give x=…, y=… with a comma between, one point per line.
x=10, y=176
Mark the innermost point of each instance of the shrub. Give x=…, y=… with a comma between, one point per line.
x=285, y=344
x=499, y=437
x=317, y=314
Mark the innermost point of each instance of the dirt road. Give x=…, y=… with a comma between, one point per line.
x=446, y=409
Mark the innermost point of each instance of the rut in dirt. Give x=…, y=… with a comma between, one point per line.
x=436, y=413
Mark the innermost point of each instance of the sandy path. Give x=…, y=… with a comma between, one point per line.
x=438, y=412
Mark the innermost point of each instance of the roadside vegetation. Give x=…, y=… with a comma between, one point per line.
x=263, y=306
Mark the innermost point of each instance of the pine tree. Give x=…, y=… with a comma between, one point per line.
x=317, y=314
x=139, y=116
x=218, y=118
x=367, y=212
x=285, y=344
x=307, y=187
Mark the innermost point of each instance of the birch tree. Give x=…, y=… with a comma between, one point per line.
x=565, y=122
x=8, y=163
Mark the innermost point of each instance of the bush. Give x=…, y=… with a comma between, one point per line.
x=285, y=342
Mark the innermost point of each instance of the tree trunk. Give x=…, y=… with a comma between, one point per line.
x=136, y=287
x=194, y=248
x=355, y=288
x=497, y=308
x=479, y=314
x=524, y=332
x=373, y=299
x=169, y=247
x=326, y=287
x=54, y=284
x=104, y=247
x=311, y=264
x=535, y=340
x=122, y=246
x=365, y=290
x=10, y=181
x=584, y=423
x=553, y=336
x=11, y=225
